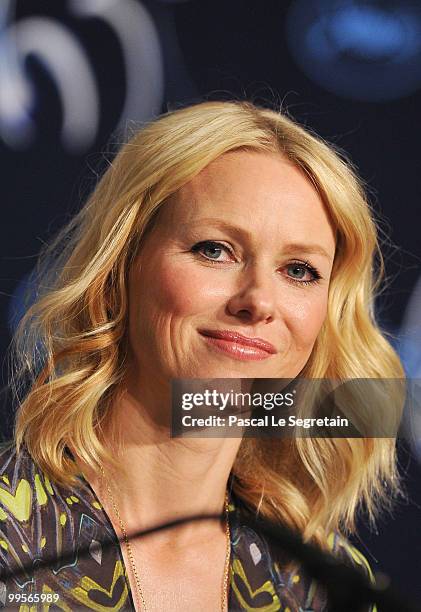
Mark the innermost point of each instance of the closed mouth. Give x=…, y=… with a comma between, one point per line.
x=239, y=339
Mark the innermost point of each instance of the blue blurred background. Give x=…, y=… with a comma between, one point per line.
x=75, y=75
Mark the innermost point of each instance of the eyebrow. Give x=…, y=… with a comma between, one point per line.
x=290, y=248
x=309, y=249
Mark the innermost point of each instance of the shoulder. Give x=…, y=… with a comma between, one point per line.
x=28, y=496
x=54, y=538
x=17, y=482
x=264, y=575
x=37, y=513
x=24, y=489
x=307, y=587
x=22, y=484
x=264, y=572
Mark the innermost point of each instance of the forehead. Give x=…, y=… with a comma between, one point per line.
x=258, y=191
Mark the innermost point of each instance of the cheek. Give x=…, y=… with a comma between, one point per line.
x=175, y=290
x=304, y=319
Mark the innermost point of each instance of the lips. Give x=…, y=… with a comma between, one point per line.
x=239, y=346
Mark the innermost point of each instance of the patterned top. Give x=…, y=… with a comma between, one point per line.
x=44, y=529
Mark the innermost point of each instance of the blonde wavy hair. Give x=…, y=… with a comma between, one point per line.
x=71, y=345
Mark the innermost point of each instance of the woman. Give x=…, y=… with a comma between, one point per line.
x=224, y=241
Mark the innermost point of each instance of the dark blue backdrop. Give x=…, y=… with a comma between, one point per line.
x=72, y=72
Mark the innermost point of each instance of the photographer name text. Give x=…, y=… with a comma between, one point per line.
x=268, y=420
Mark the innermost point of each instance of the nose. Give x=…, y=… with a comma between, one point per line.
x=254, y=300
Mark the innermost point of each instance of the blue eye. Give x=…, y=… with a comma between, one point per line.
x=211, y=250
x=297, y=272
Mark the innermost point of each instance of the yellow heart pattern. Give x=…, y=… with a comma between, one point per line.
x=20, y=503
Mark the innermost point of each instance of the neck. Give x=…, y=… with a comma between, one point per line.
x=164, y=479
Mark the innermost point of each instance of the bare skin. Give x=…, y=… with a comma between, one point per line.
x=273, y=232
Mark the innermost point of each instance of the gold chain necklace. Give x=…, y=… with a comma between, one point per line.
x=141, y=597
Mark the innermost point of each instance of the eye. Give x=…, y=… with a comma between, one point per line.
x=302, y=273
x=212, y=250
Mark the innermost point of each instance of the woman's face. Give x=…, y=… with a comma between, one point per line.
x=233, y=279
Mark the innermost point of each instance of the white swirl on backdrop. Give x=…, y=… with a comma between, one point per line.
x=70, y=68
